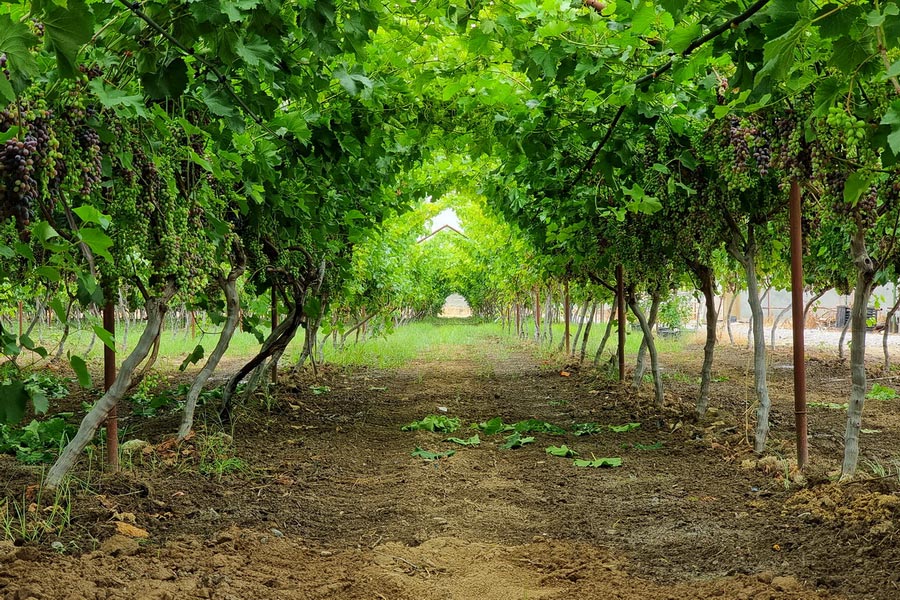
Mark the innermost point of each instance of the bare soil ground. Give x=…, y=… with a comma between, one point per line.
x=327, y=502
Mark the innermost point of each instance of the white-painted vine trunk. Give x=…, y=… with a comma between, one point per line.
x=858, y=316
x=156, y=310
x=651, y=347
x=232, y=313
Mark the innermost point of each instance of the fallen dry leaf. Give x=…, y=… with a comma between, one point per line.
x=565, y=373
x=130, y=530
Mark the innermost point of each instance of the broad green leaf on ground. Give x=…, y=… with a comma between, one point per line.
x=494, y=426
x=436, y=423
x=429, y=455
x=563, y=451
x=516, y=441
x=472, y=441
x=538, y=426
x=624, y=428
x=598, y=462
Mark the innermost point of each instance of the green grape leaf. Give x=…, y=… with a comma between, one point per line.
x=97, y=241
x=472, y=441
x=106, y=337
x=516, y=441
x=563, y=451
x=624, y=428
x=169, y=81
x=40, y=402
x=81, y=370
x=16, y=41
x=598, y=462
x=90, y=214
x=856, y=184
x=428, y=455
x=13, y=397
x=66, y=31
x=49, y=273
x=192, y=358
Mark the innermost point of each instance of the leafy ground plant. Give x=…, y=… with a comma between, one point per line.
x=472, y=441
x=881, y=392
x=580, y=429
x=429, y=455
x=598, y=462
x=436, y=423
x=37, y=442
x=538, y=426
x=516, y=441
x=563, y=451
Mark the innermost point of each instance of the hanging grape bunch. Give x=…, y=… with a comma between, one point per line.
x=23, y=159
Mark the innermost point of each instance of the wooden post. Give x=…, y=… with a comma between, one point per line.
x=21, y=320
x=537, y=313
x=568, y=308
x=109, y=376
x=193, y=325
x=800, y=418
x=620, y=291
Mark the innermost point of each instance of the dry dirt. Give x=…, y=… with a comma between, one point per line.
x=327, y=502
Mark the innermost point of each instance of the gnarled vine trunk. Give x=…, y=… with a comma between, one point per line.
x=641, y=365
x=606, y=334
x=232, y=315
x=587, y=331
x=651, y=347
x=156, y=311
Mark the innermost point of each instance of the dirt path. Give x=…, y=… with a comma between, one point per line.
x=328, y=503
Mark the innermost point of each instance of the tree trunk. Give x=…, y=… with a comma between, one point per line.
x=886, y=333
x=641, y=365
x=579, y=329
x=708, y=288
x=745, y=254
x=843, y=337
x=232, y=312
x=606, y=334
x=864, y=278
x=651, y=346
x=810, y=303
x=278, y=339
x=156, y=311
x=587, y=332
x=777, y=322
x=728, y=316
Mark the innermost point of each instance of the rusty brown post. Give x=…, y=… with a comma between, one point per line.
x=109, y=376
x=620, y=294
x=798, y=326
x=567, y=305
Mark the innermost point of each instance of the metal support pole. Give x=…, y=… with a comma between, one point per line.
x=109, y=376
x=798, y=326
x=567, y=305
